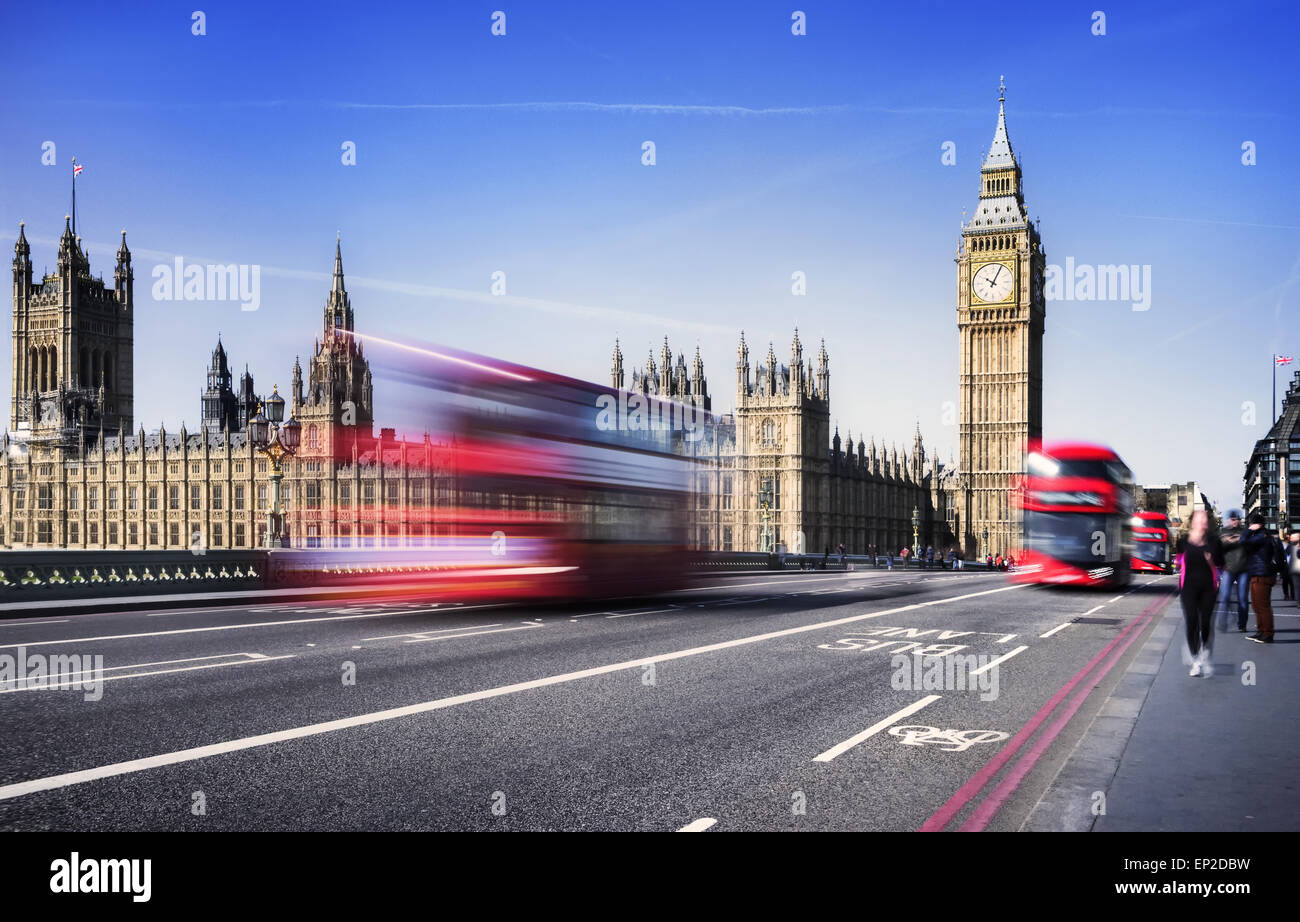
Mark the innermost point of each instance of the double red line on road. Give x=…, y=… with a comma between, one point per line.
x=985, y=812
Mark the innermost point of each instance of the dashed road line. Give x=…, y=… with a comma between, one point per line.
x=1001, y=659
x=699, y=825
x=841, y=748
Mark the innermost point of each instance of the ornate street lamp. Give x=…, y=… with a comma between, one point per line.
x=765, y=504
x=986, y=541
x=277, y=440
x=916, y=540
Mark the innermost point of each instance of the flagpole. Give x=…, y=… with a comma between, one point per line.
x=1272, y=410
x=74, y=197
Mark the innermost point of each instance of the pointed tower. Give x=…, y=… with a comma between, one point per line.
x=1001, y=313
x=742, y=368
x=220, y=407
x=616, y=378
x=796, y=365
x=823, y=373
x=338, y=400
x=700, y=384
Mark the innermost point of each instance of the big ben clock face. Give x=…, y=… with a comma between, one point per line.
x=993, y=282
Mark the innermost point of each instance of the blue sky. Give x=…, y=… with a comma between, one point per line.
x=775, y=153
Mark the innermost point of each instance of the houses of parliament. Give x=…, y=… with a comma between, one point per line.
x=75, y=473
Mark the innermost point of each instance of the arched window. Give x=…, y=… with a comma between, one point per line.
x=33, y=366
x=313, y=437
x=84, y=379
x=54, y=368
x=108, y=371
x=94, y=369
x=769, y=432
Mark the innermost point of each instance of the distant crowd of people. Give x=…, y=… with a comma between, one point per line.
x=1231, y=573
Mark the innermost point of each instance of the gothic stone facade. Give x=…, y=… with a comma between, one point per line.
x=775, y=476
x=73, y=475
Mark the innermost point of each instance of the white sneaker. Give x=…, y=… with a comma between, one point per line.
x=1196, y=666
x=1208, y=668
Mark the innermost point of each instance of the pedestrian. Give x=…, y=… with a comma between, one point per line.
x=1294, y=575
x=1200, y=556
x=1234, y=581
x=826, y=558
x=904, y=554
x=1262, y=565
x=988, y=561
x=929, y=556
x=952, y=558
x=997, y=562
x=841, y=554
x=1288, y=548
x=889, y=561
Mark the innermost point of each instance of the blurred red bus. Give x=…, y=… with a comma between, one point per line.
x=541, y=490
x=1151, y=543
x=1077, y=501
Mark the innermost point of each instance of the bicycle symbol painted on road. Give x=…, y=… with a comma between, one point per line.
x=947, y=740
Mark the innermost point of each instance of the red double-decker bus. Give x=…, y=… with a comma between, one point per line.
x=1151, y=543
x=531, y=485
x=1077, y=501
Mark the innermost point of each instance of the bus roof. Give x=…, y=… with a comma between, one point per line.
x=1080, y=451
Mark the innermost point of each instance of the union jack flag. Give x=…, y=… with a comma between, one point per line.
x=1282, y=359
x=76, y=169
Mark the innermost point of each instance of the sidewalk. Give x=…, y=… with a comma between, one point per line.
x=1175, y=753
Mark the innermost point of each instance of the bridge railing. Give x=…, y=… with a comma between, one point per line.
x=40, y=575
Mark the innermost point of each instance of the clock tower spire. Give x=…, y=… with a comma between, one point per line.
x=1000, y=317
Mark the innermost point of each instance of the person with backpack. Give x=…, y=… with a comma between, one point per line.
x=1234, y=581
x=1262, y=564
x=1200, y=557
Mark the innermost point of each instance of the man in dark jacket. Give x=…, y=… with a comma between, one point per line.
x=1234, y=581
x=1261, y=550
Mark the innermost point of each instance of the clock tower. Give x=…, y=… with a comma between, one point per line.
x=1000, y=316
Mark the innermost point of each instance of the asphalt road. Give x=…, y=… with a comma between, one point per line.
x=757, y=702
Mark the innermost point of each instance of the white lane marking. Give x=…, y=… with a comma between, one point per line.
x=633, y=614
x=1005, y=638
x=51, y=782
x=765, y=598
x=225, y=627
x=501, y=630
x=441, y=630
x=165, y=662
x=1001, y=659
x=699, y=825
x=1059, y=627
x=855, y=575
x=138, y=675
x=841, y=748
x=1117, y=598
x=1093, y=609
x=25, y=623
